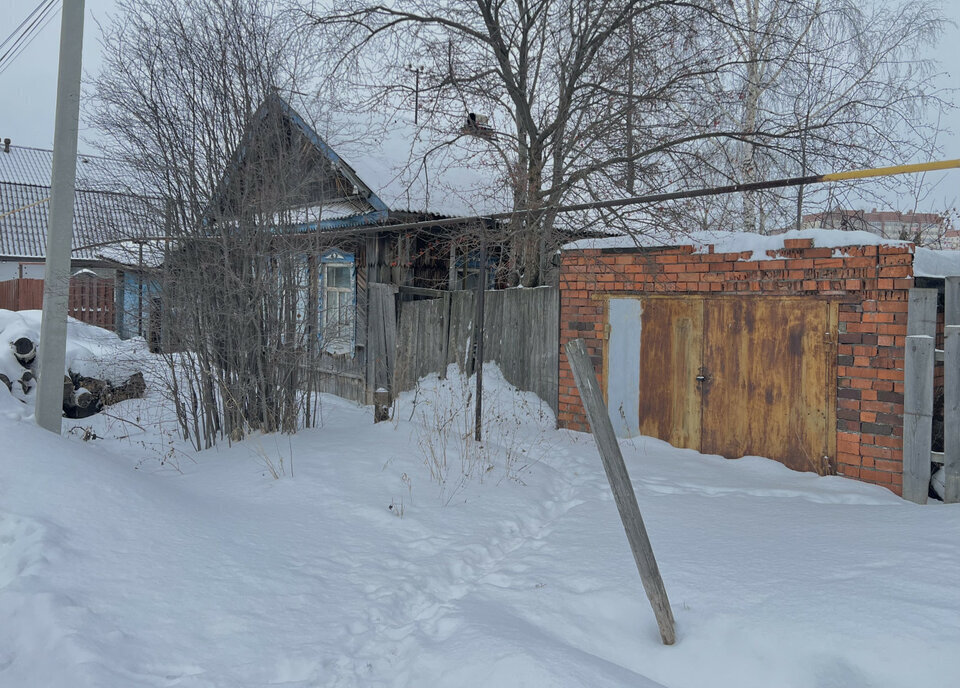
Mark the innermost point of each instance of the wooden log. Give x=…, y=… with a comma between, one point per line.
x=623, y=493
x=951, y=413
x=917, y=416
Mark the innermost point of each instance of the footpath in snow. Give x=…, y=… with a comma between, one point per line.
x=130, y=560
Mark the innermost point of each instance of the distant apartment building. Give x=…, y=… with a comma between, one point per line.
x=927, y=229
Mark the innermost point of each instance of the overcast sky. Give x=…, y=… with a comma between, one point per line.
x=28, y=85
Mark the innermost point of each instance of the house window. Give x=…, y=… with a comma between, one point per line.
x=338, y=302
x=468, y=271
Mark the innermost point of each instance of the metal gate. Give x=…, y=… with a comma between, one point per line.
x=733, y=376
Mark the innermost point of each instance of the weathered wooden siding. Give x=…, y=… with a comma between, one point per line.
x=381, y=341
x=422, y=340
x=521, y=336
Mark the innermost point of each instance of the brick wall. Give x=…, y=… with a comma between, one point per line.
x=870, y=282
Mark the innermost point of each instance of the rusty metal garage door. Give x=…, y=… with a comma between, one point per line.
x=733, y=376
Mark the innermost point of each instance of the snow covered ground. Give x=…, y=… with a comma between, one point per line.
x=130, y=560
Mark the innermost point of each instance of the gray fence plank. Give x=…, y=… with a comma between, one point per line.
x=917, y=416
x=521, y=334
x=951, y=414
x=951, y=314
x=381, y=336
x=922, y=313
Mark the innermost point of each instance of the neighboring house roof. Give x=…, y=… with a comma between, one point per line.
x=103, y=211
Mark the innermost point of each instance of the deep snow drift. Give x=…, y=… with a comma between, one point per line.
x=132, y=561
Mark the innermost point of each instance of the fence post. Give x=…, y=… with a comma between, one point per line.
x=623, y=493
x=917, y=416
x=922, y=312
x=951, y=412
x=951, y=313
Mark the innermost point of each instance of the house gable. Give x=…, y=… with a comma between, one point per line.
x=282, y=163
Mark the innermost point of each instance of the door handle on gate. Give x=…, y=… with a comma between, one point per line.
x=704, y=376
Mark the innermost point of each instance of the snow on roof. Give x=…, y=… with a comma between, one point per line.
x=930, y=263
x=148, y=254
x=445, y=175
x=34, y=166
x=416, y=169
x=926, y=262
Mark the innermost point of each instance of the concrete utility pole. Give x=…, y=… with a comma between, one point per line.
x=56, y=285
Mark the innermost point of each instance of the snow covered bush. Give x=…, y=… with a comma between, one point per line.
x=514, y=430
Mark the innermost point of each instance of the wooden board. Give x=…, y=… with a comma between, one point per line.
x=769, y=364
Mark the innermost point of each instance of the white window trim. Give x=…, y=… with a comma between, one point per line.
x=341, y=344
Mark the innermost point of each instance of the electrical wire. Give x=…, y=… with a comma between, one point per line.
x=36, y=26
x=22, y=24
x=42, y=15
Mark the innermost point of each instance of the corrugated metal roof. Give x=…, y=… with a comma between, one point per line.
x=103, y=211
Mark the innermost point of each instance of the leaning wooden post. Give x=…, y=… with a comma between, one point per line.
x=917, y=416
x=951, y=414
x=622, y=488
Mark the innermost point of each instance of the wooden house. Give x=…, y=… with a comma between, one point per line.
x=339, y=215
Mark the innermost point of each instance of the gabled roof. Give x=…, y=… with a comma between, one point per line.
x=394, y=170
x=439, y=170
x=103, y=212
x=280, y=153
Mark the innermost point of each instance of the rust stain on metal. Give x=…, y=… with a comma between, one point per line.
x=669, y=365
x=741, y=377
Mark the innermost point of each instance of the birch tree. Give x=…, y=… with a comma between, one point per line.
x=822, y=85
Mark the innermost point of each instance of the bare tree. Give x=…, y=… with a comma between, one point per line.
x=822, y=85
x=583, y=100
x=186, y=97
x=601, y=99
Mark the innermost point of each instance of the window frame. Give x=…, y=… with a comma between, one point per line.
x=345, y=339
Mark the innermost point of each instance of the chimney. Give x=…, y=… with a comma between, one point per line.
x=6, y=145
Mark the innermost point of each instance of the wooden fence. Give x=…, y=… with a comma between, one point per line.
x=91, y=298
x=21, y=294
x=521, y=334
x=921, y=357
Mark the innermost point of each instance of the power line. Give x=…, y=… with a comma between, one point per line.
x=22, y=24
x=612, y=203
x=34, y=29
x=42, y=15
